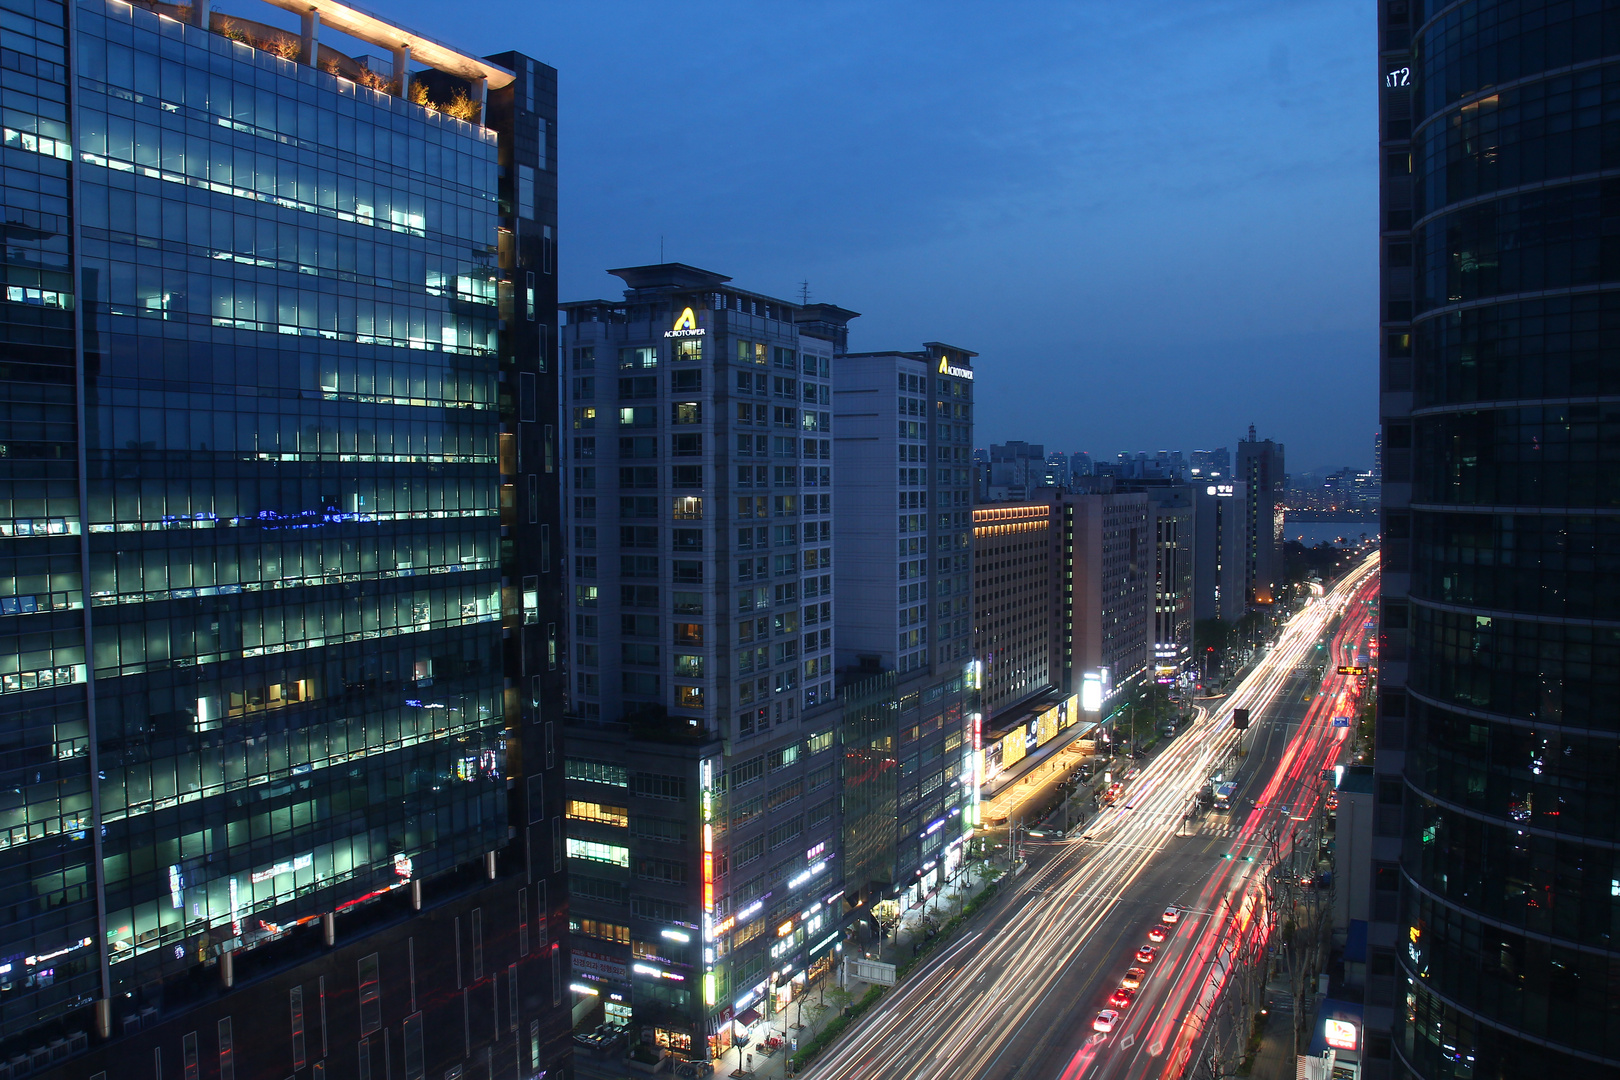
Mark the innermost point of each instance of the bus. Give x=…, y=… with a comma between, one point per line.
x=1224, y=793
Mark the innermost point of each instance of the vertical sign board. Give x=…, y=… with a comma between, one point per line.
x=1240, y=719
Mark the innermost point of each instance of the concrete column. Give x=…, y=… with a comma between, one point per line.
x=402, y=69
x=311, y=37
x=489, y=865
x=227, y=969
x=103, y=1018
x=416, y=895
x=480, y=94
x=329, y=929
x=199, y=13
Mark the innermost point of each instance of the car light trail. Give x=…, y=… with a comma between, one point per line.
x=960, y=1015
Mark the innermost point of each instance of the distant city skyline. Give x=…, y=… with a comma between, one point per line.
x=1112, y=202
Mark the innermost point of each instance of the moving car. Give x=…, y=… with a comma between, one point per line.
x=1122, y=998
x=1171, y=914
x=1146, y=954
x=1133, y=978
x=1158, y=933
x=1105, y=1021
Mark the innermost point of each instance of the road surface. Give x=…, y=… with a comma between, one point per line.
x=1015, y=997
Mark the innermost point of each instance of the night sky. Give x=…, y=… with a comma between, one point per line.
x=1156, y=222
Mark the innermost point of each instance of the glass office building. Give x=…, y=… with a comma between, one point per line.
x=1500, y=616
x=276, y=505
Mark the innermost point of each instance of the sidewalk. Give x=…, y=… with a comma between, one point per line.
x=1276, y=1059
x=817, y=1006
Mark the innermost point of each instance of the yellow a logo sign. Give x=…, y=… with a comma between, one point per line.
x=944, y=366
x=687, y=321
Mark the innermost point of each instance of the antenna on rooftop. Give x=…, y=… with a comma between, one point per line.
x=804, y=292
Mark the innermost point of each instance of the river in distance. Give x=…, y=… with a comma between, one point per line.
x=1338, y=533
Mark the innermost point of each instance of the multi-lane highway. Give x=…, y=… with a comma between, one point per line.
x=1015, y=998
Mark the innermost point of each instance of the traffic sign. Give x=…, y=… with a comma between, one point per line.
x=1240, y=719
x=1341, y=721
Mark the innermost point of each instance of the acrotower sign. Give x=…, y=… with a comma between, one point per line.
x=686, y=326
x=946, y=368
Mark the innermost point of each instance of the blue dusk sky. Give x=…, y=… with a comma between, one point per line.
x=1155, y=222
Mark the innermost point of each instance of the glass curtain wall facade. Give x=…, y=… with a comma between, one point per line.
x=1500, y=620
x=263, y=433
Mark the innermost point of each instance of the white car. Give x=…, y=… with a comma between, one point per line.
x=1170, y=916
x=1105, y=1021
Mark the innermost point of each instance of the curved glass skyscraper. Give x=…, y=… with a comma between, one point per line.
x=1501, y=616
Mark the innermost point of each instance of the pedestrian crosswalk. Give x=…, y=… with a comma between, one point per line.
x=1218, y=828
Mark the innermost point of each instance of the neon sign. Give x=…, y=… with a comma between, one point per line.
x=686, y=326
x=1340, y=1034
x=947, y=368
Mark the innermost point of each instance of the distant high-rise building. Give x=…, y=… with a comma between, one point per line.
x=903, y=573
x=1015, y=601
x=1016, y=470
x=1171, y=508
x=1057, y=470
x=701, y=764
x=1260, y=468
x=1378, y=455
x=1493, y=944
x=280, y=692
x=1206, y=465
x=1220, y=519
x=1079, y=464
x=1107, y=560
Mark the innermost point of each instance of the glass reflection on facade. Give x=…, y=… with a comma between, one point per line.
x=258, y=471
x=1500, y=621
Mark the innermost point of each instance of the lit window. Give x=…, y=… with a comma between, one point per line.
x=615, y=854
x=601, y=813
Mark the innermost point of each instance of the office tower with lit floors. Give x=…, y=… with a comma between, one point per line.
x=1495, y=904
x=701, y=774
x=903, y=573
x=276, y=373
x=1260, y=469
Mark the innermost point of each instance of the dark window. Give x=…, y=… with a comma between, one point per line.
x=639, y=446
x=640, y=386
x=686, y=476
x=686, y=445
x=686, y=381
x=370, y=995
x=638, y=536
x=638, y=476
x=414, y=1058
